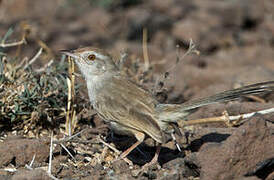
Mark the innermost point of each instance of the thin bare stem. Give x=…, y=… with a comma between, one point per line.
x=50, y=154
x=63, y=146
x=5, y=45
x=191, y=49
x=31, y=163
x=70, y=137
x=45, y=66
x=162, y=79
x=249, y=115
x=145, y=50
x=23, y=61
x=71, y=118
x=229, y=120
x=34, y=58
x=52, y=177
x=109, y=146
x=68, y=122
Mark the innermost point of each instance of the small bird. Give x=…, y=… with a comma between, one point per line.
x=131, y=110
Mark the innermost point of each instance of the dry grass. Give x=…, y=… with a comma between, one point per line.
x=31, y=99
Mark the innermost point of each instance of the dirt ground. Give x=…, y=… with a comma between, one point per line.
x=235, y=40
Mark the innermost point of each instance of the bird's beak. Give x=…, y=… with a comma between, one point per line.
x=69, y=53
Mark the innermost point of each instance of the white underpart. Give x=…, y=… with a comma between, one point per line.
x=93, y=84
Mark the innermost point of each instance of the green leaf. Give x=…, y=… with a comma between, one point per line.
x=26, y=90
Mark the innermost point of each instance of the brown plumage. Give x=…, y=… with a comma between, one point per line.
x=125, y=111
x=132, y=110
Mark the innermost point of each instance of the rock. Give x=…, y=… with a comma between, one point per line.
x=179, y=168
x=270, y=176
x=31, y=175
x=120, y=166
x=20, y=152
x=249, y=145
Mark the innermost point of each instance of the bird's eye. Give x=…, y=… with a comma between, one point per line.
x=91, y=57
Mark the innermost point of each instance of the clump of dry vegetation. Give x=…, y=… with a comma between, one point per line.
x=31, y=97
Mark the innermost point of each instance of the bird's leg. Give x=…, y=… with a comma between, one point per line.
x=126, y=152
x=140, y=138
x=154, y=159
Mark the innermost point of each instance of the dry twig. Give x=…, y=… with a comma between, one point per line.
x=3, y=44
x=229, y=120
x=34, y=58
x=63, y=146
x=108, y=145
x=31, y=163
x=71, y=119
x=44, y=67
x=50, y=154
x=145, y=50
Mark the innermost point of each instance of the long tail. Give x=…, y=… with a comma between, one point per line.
x=230, y=95
x=172, y=112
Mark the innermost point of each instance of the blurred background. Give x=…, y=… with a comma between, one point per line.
x=235, y=38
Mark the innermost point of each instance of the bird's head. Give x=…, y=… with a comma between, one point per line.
x=92, y=61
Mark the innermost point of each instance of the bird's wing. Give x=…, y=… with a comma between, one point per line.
x=129, y=105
